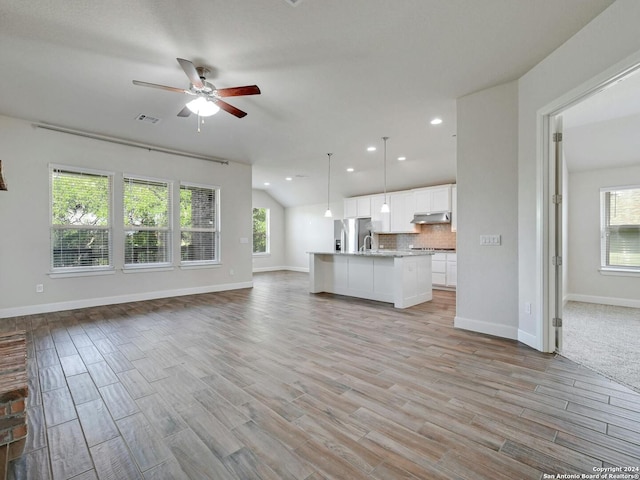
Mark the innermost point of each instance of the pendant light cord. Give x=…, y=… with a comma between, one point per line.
x=329, y=181
x=385, y=168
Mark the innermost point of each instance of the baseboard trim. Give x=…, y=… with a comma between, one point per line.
x=481, y=326
x=279, y=269
x=298, y=269
x=134, y=297
x=530, y=340
x=268, y=269
x=618, y=302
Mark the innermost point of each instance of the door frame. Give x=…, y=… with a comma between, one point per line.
x=545, y=208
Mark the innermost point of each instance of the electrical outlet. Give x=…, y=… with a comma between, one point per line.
x=39, y=288
x=527, y=308
x=232, y=272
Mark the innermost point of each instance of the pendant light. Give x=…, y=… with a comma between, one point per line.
x=328, y=213
x=385, y=205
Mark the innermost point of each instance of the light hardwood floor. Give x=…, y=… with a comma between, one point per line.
x=276, y=383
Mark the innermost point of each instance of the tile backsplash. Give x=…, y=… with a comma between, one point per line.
x=430, y=236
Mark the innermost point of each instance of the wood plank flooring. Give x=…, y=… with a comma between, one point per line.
x=276, y=383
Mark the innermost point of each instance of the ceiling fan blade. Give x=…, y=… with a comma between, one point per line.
x=161, y=87
x=191, y=72
x=185, y=112
x=231, y=109
x=239, y=91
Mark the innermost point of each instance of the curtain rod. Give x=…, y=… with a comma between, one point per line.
x=128, y=143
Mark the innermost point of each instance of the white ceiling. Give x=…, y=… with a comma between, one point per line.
x=603, y=130
x=335, y=76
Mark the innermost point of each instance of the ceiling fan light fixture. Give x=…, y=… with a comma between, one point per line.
x=203, y=107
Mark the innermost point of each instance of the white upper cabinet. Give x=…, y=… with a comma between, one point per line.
x=381, y=221
x=432, y=199
x=401, y=205
x=357, y=207
x=363, y=205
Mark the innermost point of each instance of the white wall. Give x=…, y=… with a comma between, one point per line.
x=275, y=260
x=487, y=204
x=608, y=44
x=309, y=231
x=24, y=222
x=585, y=281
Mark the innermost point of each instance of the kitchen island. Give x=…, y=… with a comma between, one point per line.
x=398, y=277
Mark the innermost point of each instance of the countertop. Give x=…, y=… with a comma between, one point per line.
x=381, y=253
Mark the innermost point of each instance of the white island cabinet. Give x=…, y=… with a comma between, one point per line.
x=401, y=278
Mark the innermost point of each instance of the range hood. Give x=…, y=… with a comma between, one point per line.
x=430, y=218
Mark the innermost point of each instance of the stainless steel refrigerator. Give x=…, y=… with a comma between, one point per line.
x=349, y=234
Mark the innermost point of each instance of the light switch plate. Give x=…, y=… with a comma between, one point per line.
x=490, y=240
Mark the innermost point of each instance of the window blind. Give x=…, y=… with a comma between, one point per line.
x=198, y=224
x=80, y=219
x=147, y=221
x=620, y=246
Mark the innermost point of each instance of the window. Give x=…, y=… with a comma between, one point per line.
x=198, y=224
x=147, y=221
x=260, y=231
x=620, y=244
x=80, y=219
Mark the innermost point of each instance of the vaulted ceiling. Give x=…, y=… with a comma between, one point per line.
x=335, y=75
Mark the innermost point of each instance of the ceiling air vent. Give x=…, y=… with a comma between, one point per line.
x=147, y=119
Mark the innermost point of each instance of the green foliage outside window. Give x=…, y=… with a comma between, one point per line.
x=198, y=229
x=146, y=220
x=80, y=218
x=260, y=230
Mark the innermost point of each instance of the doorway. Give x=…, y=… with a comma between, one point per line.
x=594, y=308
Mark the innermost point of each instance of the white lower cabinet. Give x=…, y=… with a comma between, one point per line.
x=439, y=269
x=444, y=269
x=401, y=280
x=452, y=270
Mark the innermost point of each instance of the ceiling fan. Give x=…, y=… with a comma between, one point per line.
x=208, y=99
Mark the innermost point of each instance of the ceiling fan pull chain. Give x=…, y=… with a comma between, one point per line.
x=199, y=123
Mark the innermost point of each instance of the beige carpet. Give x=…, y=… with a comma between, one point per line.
x=604, y=338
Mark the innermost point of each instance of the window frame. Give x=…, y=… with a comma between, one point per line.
x=215, y=229
x=605, y=267
x=267, y=233
x=168, y=230
x=81, y=270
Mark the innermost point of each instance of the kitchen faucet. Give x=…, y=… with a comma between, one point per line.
x=364, y=243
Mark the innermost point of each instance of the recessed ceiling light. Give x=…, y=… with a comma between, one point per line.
x=436, y=121
x=288, y=179
x=350, y=169
x=402, y=159
x=371, y=149
x=266, y=184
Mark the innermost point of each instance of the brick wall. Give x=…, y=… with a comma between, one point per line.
x=13, y=391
